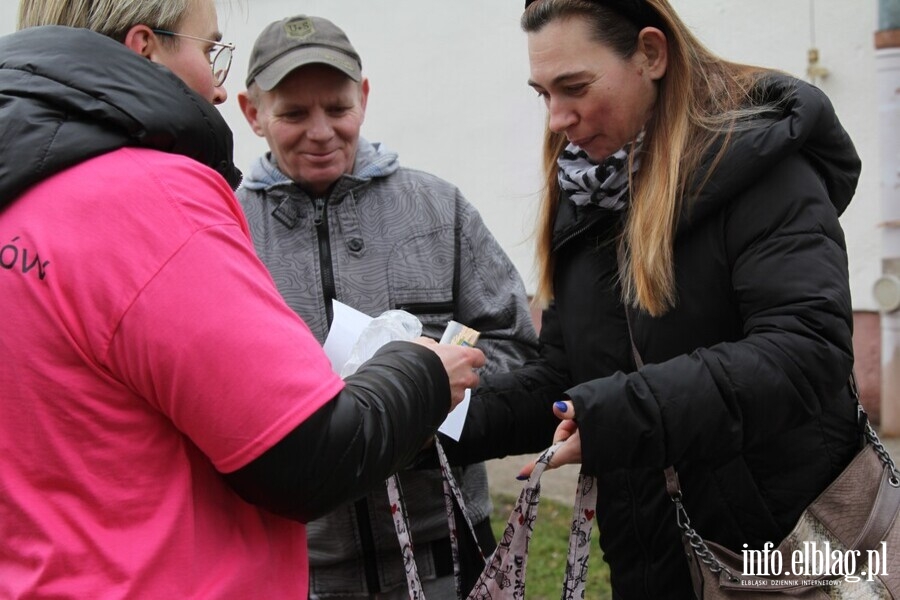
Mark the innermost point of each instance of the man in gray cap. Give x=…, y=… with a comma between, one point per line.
x=336, y=217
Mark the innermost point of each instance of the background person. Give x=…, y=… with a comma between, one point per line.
x=698, y=200
x=334, y=216
x=151, y=372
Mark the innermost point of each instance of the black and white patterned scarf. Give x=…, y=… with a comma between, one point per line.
x=604, y=184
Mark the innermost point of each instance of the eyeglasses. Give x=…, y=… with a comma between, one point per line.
x=220, y=62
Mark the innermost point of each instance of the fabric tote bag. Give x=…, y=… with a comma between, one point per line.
x=503, y=577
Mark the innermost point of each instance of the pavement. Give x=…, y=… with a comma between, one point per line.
x=560, y=484
x=557, y=484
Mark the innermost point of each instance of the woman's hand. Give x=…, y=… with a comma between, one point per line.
x=567, y=431
x=460, y=362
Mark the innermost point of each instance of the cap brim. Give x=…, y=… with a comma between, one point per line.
x=272, y=75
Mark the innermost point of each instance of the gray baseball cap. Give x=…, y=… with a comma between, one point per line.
x=294, y=42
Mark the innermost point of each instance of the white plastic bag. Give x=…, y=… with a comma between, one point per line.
x=387, y=327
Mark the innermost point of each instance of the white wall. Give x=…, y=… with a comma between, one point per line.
x=449, y=93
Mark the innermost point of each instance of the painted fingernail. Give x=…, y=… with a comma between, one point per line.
x=561, y=406
x=521, y=477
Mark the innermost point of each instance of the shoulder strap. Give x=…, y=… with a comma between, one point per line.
x=452, y=493
x=504, y=575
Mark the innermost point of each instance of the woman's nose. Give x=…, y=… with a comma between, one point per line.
x=561, y=116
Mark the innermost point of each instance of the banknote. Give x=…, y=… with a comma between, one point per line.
x=459, y=334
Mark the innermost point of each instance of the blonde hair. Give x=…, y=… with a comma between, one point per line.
x=112, y=18
x=700, y=99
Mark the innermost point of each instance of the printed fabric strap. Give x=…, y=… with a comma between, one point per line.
x=401, y=525
x=503, y=577
x=451, y=493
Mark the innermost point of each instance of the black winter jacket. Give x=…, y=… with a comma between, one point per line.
x=67, y=95
x=744, y=387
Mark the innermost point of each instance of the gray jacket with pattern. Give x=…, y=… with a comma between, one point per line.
x=388, y=237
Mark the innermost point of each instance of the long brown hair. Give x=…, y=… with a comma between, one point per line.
x=700, y=99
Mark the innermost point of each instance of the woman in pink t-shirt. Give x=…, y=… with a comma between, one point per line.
x=168, y=422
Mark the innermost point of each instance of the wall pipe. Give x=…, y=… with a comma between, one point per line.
x=887, y=288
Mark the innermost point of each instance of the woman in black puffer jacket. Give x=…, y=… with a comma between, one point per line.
x=697, y=199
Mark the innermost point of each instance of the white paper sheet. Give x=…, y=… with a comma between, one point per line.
x=348, y=323
x=346, y=327
x=453, y=425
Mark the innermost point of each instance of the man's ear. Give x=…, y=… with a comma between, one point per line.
x=652, y=43
x=251, y=112
x=142, y=40
x=364, y=94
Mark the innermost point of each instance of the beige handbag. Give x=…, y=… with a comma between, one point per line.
x=846, y=544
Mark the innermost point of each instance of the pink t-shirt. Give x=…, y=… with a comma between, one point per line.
x=143, y=348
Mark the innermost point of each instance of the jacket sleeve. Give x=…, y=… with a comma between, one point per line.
x=371, y=429
x=511, y=412
x=788, y=275
x=491, y=296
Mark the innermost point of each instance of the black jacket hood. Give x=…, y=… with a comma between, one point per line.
x=804, y=122
x=69, y=94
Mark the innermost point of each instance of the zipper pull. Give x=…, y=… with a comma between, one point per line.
x=320, y=211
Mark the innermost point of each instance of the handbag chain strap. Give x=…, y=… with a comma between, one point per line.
x=883, y=454
x=701, y=550
x=872, y=437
